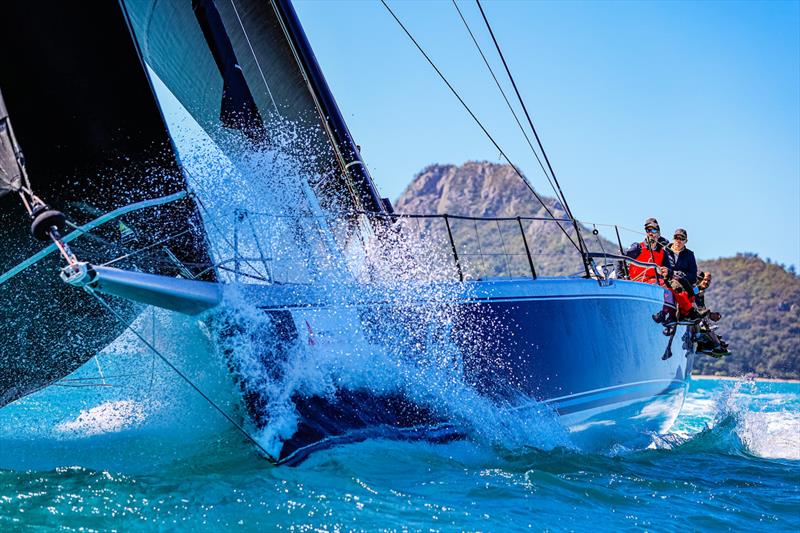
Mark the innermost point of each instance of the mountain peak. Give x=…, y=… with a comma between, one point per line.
x=476, y=188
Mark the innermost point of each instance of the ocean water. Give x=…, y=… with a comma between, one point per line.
x=136, y=449
x=124, y=444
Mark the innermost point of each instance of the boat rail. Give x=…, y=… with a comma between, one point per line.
x=456, y=246
x=615, y=265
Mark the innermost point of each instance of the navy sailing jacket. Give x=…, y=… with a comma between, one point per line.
x=684, y=262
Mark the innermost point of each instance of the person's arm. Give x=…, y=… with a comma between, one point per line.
x=691, y=269
x=634, y=250
x=669, y=263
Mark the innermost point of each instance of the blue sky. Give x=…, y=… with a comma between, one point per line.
x=686, y=111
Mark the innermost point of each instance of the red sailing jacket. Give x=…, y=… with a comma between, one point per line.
x=648, y=274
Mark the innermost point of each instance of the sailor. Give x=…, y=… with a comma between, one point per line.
x=651, y=250
x=703, y=281
x=708, y=341
x=683, y=259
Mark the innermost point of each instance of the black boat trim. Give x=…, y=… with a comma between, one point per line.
x=437, y=433
x=447, y=432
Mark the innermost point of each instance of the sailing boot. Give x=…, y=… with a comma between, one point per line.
x=660, y=317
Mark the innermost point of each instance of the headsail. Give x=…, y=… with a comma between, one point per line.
x=250, y=58
x=94, y=141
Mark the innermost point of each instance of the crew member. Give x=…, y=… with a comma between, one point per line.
x=708, y=341
x=651, y=250
x=683, y=260
x=685, y=273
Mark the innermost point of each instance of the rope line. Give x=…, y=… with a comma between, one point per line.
x=508, y=103
x=524, y=107
x=32, y=260
x=536, y=135
x=183, y=376
x=477, y=121
x=258, y=65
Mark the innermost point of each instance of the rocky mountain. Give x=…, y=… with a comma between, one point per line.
x=760, y=301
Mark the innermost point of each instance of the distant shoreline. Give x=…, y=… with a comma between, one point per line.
x=733, y=378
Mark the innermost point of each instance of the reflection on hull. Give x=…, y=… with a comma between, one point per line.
x=628, y=418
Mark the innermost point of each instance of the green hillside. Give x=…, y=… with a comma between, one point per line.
x=760, y=302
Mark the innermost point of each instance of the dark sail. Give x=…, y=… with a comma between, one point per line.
x=10, y=171
x=85, y=117
x=202, y=50
x=94, y=138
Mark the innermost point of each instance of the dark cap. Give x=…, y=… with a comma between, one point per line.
x=651, y=223
x=681, y=232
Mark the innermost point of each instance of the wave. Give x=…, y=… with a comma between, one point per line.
x=737, y=418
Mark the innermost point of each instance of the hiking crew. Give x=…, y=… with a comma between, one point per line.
x=676, y=271
x=655, y=249
x=708, y=341
x=684, y=275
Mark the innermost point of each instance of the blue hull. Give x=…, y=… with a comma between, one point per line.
x=592, y=353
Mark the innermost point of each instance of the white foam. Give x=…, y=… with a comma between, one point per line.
x=773, y=435
x=108, y=417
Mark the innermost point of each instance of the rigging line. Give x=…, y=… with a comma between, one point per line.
x=536, y=134
x=153, y=358
x=111, y=244
x=477, y=120
x=140, y=250
x=524, y=107
x=183, y=376
x=508, y=103
x=100, y=369
x=258, y=65
x=41, y=254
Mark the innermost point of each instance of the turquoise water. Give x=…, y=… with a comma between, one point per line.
x=146, y=454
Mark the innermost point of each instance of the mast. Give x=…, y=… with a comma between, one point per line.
x=347, y=152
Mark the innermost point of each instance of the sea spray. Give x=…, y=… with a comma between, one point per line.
x=735, y=418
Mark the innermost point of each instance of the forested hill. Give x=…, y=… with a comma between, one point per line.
x=760, y=302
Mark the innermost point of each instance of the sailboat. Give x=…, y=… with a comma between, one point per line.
x=183, y=140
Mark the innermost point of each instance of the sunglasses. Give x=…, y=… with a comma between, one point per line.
x=651, y=230
x=679, y=238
